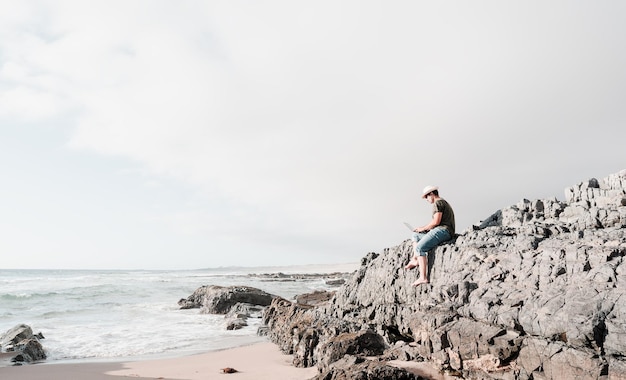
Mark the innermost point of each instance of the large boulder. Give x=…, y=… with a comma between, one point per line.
x=358, y=368
x=360, y=343
x=535, y=291
x=214, y=299
x=21, y=341
x=298, y=330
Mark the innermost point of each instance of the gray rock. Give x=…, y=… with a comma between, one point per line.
x=14, y=335
x=237, y=316
x=213, y=299
x=362, y=343
x=357, y=368
x=535, y=291
x=236, y=324
x=21, y=340
x=316, y=298
x=298, y=329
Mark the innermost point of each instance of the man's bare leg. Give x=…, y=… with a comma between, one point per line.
x=412, y=263
x=422, y=261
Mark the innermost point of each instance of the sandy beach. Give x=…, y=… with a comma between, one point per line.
x=260, y=361
x=254, y=362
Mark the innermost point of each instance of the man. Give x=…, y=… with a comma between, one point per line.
x=425, y=238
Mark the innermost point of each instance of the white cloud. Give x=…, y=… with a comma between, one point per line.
x=323, y=120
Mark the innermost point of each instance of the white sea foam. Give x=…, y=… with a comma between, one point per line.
x=101, y=315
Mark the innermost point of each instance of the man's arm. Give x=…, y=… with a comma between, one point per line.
x=433, y=223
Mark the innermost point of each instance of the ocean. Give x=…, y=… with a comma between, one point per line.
x=102, y=315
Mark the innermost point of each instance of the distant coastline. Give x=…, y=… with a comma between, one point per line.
x=300, y=268
x=290, y=269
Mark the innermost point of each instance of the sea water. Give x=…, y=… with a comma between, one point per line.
x=115, y=314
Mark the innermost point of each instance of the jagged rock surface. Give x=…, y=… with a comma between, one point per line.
x=357, y=368
x=238, y=303
x=536, y=291
x=316, y=298
x=237, y=316
x=304, y=332
x=214, y=299
x=26, y=346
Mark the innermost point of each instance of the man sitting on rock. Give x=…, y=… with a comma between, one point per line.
x=425, y=238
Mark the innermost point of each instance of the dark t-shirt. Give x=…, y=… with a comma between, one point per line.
x=447, y=215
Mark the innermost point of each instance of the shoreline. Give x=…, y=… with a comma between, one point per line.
x=262, y=360
x=239, y=341
x=255, y=361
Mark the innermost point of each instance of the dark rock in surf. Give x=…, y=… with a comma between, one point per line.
x=21, y=341
x=213, y=299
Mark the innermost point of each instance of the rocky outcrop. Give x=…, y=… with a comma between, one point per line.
x=238, y=303
x=359, y=368
x=214, y=299
x=535, y=291
x=21, y=341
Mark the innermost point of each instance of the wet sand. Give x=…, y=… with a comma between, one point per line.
x=254, y=362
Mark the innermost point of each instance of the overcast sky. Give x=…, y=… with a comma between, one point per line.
x=195, y=134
